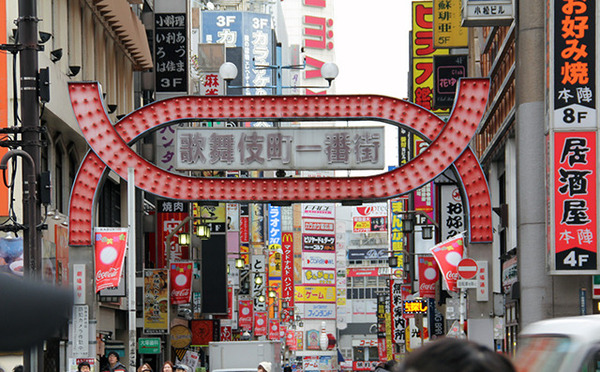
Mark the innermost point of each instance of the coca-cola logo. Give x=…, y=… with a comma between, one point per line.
x=451, y=276
x=111, y=273
x=427, y=287
x=180, y=293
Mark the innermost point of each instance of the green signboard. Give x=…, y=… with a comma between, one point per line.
x=149, y=345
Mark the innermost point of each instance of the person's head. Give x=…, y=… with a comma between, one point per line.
x=113, y=357
x=144, y=368
x=84, y=367
x=264, y=367
x=18, y=368
x=453, y=355
x=180, y=368
x=167, y=367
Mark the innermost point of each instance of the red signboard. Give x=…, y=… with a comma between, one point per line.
x=363, y=272
x=575, y=190
x=448, y=254
x=274, y=333
x=467, y=268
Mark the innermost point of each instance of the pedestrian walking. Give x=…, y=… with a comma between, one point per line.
x=144, y=368
x=114, y=365
x=167, y=367
x=84, y=367
x=454, y=355
x=264, y=367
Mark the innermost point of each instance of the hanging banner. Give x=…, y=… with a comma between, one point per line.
x=290, y=339
x=452, y=220
x=245, y=314
x=258, y=270
x=448, y=254
x=156, y=301
x=428, y=277
x=575, y=203
x=260, y=323
x=181, y=282
x=274, y=333
x=110, y=245
x=396, y=233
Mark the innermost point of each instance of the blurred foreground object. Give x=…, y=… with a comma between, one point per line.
x=30, y=312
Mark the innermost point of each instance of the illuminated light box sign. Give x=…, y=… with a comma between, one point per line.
x=415, y=307
x=280, y=148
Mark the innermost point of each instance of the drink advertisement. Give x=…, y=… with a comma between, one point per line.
x=181, y=282
x=245, y=314
x=110, y=245
x=428, y=276
x=260, y=323
x=156, y=301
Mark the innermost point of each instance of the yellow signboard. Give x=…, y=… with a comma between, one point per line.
x=315, y=294
x=447, y=29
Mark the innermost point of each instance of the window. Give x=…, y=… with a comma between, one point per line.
x=109, y=207
x=58, y=166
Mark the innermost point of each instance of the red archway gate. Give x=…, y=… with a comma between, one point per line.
x=110, y=149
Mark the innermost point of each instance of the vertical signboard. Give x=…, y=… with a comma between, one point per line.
x=452, y=212
x=170, y=52
x=575, y=203
x=156, y=301
x=396, y=235
x=446, y=72
x=169, y=215
x=258, y=270
x=574, y=65
x=448, y=32
x=398, y=321
x=423, y=50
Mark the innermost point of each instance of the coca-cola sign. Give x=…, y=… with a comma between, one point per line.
x=110, y=245
x=181, y=282
x=428, y=276
x=448, y=254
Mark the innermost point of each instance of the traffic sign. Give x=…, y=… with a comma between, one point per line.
x=466, y=283
x=467, y=268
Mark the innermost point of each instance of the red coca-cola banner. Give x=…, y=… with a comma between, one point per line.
x=287, y=268
x=245, y=314
x=448, y=254
x=290, y=339
x=428, y=276
x=274, y=330
x=110, y=245
x=260, y=323
x=181, y=282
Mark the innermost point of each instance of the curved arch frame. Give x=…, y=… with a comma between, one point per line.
x=110, y=148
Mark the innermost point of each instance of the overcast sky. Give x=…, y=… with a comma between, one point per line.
x=371, y=46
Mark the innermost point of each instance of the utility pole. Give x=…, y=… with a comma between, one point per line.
x=28, y=40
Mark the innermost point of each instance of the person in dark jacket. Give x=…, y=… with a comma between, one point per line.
x=114, y=365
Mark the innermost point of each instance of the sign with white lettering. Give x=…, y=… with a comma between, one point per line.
x=280, y=148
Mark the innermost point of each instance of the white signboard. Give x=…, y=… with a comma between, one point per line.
x=482, y=281
x=280, y=148
x=318, y=276
x=487, y=12
x=258, y=270
x=323, y=210
x=318, y=226
x=317, y=311
x=318, y=260
x=466, y=283
x=79, y=283
x=81, y=331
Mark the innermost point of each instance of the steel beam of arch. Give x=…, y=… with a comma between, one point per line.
x=110, y=148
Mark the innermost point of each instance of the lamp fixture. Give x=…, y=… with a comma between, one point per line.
x=203, y=232
x=239, y=263
x=427, y=232
x=44, y=37
x=407, y=225
x=56, y=216
x=261, y=298
x=184, y=238
x=393, y=261
x=111, y=108
x=272, y=293
x=258, y=280
x=56, y=55
x=73, y=71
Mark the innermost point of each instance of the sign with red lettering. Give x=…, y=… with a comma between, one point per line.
x=428, y=276
x=575, y=199
x=245, y=314
x=110, y=245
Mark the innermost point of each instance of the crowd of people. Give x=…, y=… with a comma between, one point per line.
x=445, y=354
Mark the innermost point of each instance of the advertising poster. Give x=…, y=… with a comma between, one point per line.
x=428, y=276
x=61, y=238
x=315, y=294
x=181, y=282
x=575, y=202
x=110, y=245
x=11, y=255
x=260, y=323
x=156, y=301
x=274, y=228
x=312, y=340
x=245, y=314
x=205, y=331
x=274, y=333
